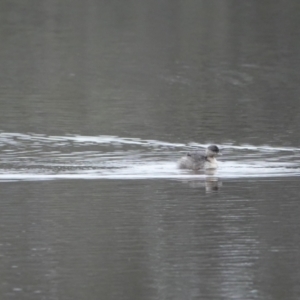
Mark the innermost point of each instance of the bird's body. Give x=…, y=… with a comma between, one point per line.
x=199, y=160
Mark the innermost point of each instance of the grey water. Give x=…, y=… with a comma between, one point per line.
x=98, y=101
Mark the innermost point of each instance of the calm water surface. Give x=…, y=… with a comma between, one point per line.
x=98, y=100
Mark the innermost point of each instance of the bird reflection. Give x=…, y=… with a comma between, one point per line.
x=211, y=183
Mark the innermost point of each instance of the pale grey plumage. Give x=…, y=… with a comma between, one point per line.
x=197, y=160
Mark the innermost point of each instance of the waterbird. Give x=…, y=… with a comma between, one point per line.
x=199, y=160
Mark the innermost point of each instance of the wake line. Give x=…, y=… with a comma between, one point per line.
x=18, y=138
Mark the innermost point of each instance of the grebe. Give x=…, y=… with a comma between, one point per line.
x=198, y=160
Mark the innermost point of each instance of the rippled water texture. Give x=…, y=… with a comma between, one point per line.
x=27, y=157
x=98, y=101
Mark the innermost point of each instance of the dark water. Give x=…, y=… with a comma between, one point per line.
x=99, y=99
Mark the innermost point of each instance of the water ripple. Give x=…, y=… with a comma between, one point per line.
x=41, y=157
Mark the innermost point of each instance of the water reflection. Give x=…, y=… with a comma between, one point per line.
x=210, y=184
x=208, y=181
